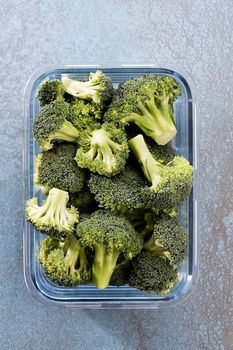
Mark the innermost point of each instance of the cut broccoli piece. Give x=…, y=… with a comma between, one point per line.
x=57, y=168
x=147, y=101
x=50, y=124
x=103, y=150
x=152, y=274
x=169, y=239
x=98, y=88
x=108, y=234
x=50, y=91
x=119, y=192
x=65, y=261
x=84, y=201
x=53, y=217
x=170, y=184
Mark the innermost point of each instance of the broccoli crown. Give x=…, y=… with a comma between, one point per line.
x=168, y=239
x=83, y=114
x=121, y=274
x=50, y=124
x=108, y=234
x=110, y=229
x=170, y=184
x=147, y=101
x=50, y=91
x=98, y=88
x=53, y=217
x=152, y=274
x=65, y=261
x=103, y=150
x=120, y=191
x=84, y=201
x=57, y=168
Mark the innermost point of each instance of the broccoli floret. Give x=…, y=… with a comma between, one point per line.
x=120, y=191
x=108, y=234
x=169, y=239
x=152, y=274
x=65, y=261
x=148, y=102
x=83, y=114
x=53, y=217
x=50, y=91
x=98, y=88
x=170, y=184
x=50, y=124
x=57, y=168
x=121, y=274
x=103, y=150
x=84, y=201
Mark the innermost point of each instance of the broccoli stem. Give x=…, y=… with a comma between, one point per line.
x=67, y=132
x=72, y=253
x=81, y=89
x=154, y=121
x=150, y=166
x=154, y=247
x=103, y=266
x=103, y=148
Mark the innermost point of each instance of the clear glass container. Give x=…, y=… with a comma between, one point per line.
x=185, y=143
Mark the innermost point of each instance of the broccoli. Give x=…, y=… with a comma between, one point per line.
x=147, y=101
x=50, y=124
x=169, y=239
x=98, y=88
x=83, y=114
x=103, y=150
x=152, y=274
x=84, y=201
x=57, y=168
x=170, y=184
x=65, y=262
x=53, y=217
x=108, y=234
x=119, y=192
x=50, y=91
x=121, y=273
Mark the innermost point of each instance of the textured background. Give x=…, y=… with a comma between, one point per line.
x=194, y=37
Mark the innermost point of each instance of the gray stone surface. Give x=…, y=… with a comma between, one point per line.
x=194, y=37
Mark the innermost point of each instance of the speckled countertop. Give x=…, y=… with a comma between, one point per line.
x=194, y=37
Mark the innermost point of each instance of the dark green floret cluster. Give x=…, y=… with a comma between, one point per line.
x=112, y=182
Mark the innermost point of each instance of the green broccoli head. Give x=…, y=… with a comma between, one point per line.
x=84, y=201
x=65, y=261
x=57, y=168
x=103, y=150
x=53, y=217
x=50, y=91
x=108, y=234
x=169, y=239
x=98, y=88
x=147, y=101
x=152, y=274
x=170, y=184
x=120, y=191
x=83, y=114
x=50, y=124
